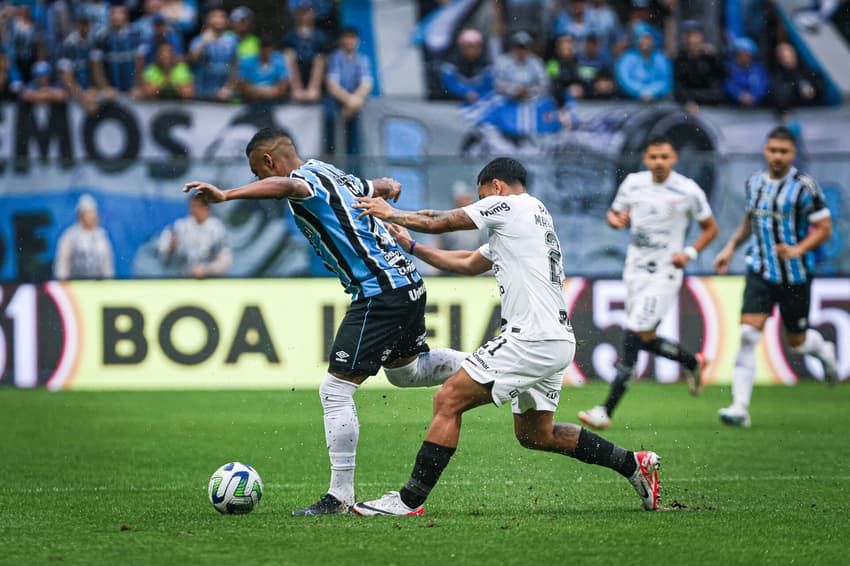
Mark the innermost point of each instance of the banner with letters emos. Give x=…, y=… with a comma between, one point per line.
x=255, y=333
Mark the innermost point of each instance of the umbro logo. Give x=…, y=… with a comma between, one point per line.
x=341, y=356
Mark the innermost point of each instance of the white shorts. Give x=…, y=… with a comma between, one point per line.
x=527, y=373
x=648, y=300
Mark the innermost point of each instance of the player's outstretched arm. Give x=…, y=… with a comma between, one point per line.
x=270, y=187
x=461, y=262
x=427, y=221
x=742, y=234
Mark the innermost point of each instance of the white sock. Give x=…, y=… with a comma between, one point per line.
x=813, y=344
x=429, y=368
x=342, y=431
x=744, y=374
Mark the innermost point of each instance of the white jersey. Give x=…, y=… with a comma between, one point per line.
x=197, y=243
x=660, y=214
x=84, y=254
x=526, y=256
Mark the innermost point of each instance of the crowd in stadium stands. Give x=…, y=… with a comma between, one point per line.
x=558, y=52
x=91, y=51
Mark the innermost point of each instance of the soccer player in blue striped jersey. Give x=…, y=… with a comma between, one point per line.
x=385, y=324
x=786, y=218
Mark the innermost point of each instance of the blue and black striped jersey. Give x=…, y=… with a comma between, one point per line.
x=361, y=252
x=781, y=211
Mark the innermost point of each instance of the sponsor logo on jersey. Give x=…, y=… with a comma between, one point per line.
x=477, y=357
x=415, y=294
x=496, y=209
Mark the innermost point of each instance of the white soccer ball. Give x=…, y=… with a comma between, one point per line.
x=235, y=488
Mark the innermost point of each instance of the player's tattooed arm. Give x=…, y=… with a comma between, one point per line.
x=270, y=187
x=426, y=221
x=461, y=262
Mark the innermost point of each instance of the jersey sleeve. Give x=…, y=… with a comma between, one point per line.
x=812, y=200
x=489, y=212
x=622, y=198
x=311, y=180
x=484, y=250
x=700, y=209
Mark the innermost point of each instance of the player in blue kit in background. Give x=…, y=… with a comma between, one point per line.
x=786, y=218
x=385, y=324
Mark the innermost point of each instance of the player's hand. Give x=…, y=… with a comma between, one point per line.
x=401, y=235
x=721, y=261
x=680, y=260
x=395, y=188
x=377, y=207
x=618, y=220
x=205, y=191
x=784, y=251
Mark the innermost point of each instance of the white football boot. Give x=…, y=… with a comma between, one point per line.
x=389, y=504
x=830, y=364
x=645, y=479
x=735, y=416
x=597, y=417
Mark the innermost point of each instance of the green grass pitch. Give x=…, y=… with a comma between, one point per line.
x=121, y=478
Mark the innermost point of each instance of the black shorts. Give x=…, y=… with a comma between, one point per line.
x=379, y=330
x=793, y=301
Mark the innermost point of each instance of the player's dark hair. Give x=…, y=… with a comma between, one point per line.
x=263, y=136
x=349, y=30
x=505, y=169
x=782, y=133
x=658, y=139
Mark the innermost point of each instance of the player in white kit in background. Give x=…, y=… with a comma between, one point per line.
x=658, y=205
x=524, y=366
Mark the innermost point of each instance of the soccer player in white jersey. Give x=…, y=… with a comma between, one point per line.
x=658, y=205
x=524, y=366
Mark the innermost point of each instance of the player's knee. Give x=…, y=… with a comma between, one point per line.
x=750, y=336
x=531, y=440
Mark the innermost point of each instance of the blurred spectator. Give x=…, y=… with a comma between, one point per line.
x=520, y=74
x=746, y=82
x=349, y=82
x=563, y=71
x=182, y=15
x=305, y=47
x=26, y=45
x=196, y=246
x=58, y=24
x=213, y=54
x=324, y=12
x=575, y=22
x=119, y=55
x=837, y=11
x=84, y=250
x=793, y=85
x=595, y=70
x=644, y=72
x=97, y=13
x=10, y=79
x=467, y=75
x=263, y=78
x=162, y=33
x=43, y=88
x=144, y=24
x=698, y=71
x=167, y=76
x=242, y=24
x=75, y=64
x=603, y=23
x=640, y=19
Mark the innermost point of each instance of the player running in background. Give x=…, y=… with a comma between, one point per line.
x=525, y=364
x=385, y=323
x=786, y=213
x=658, y=205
